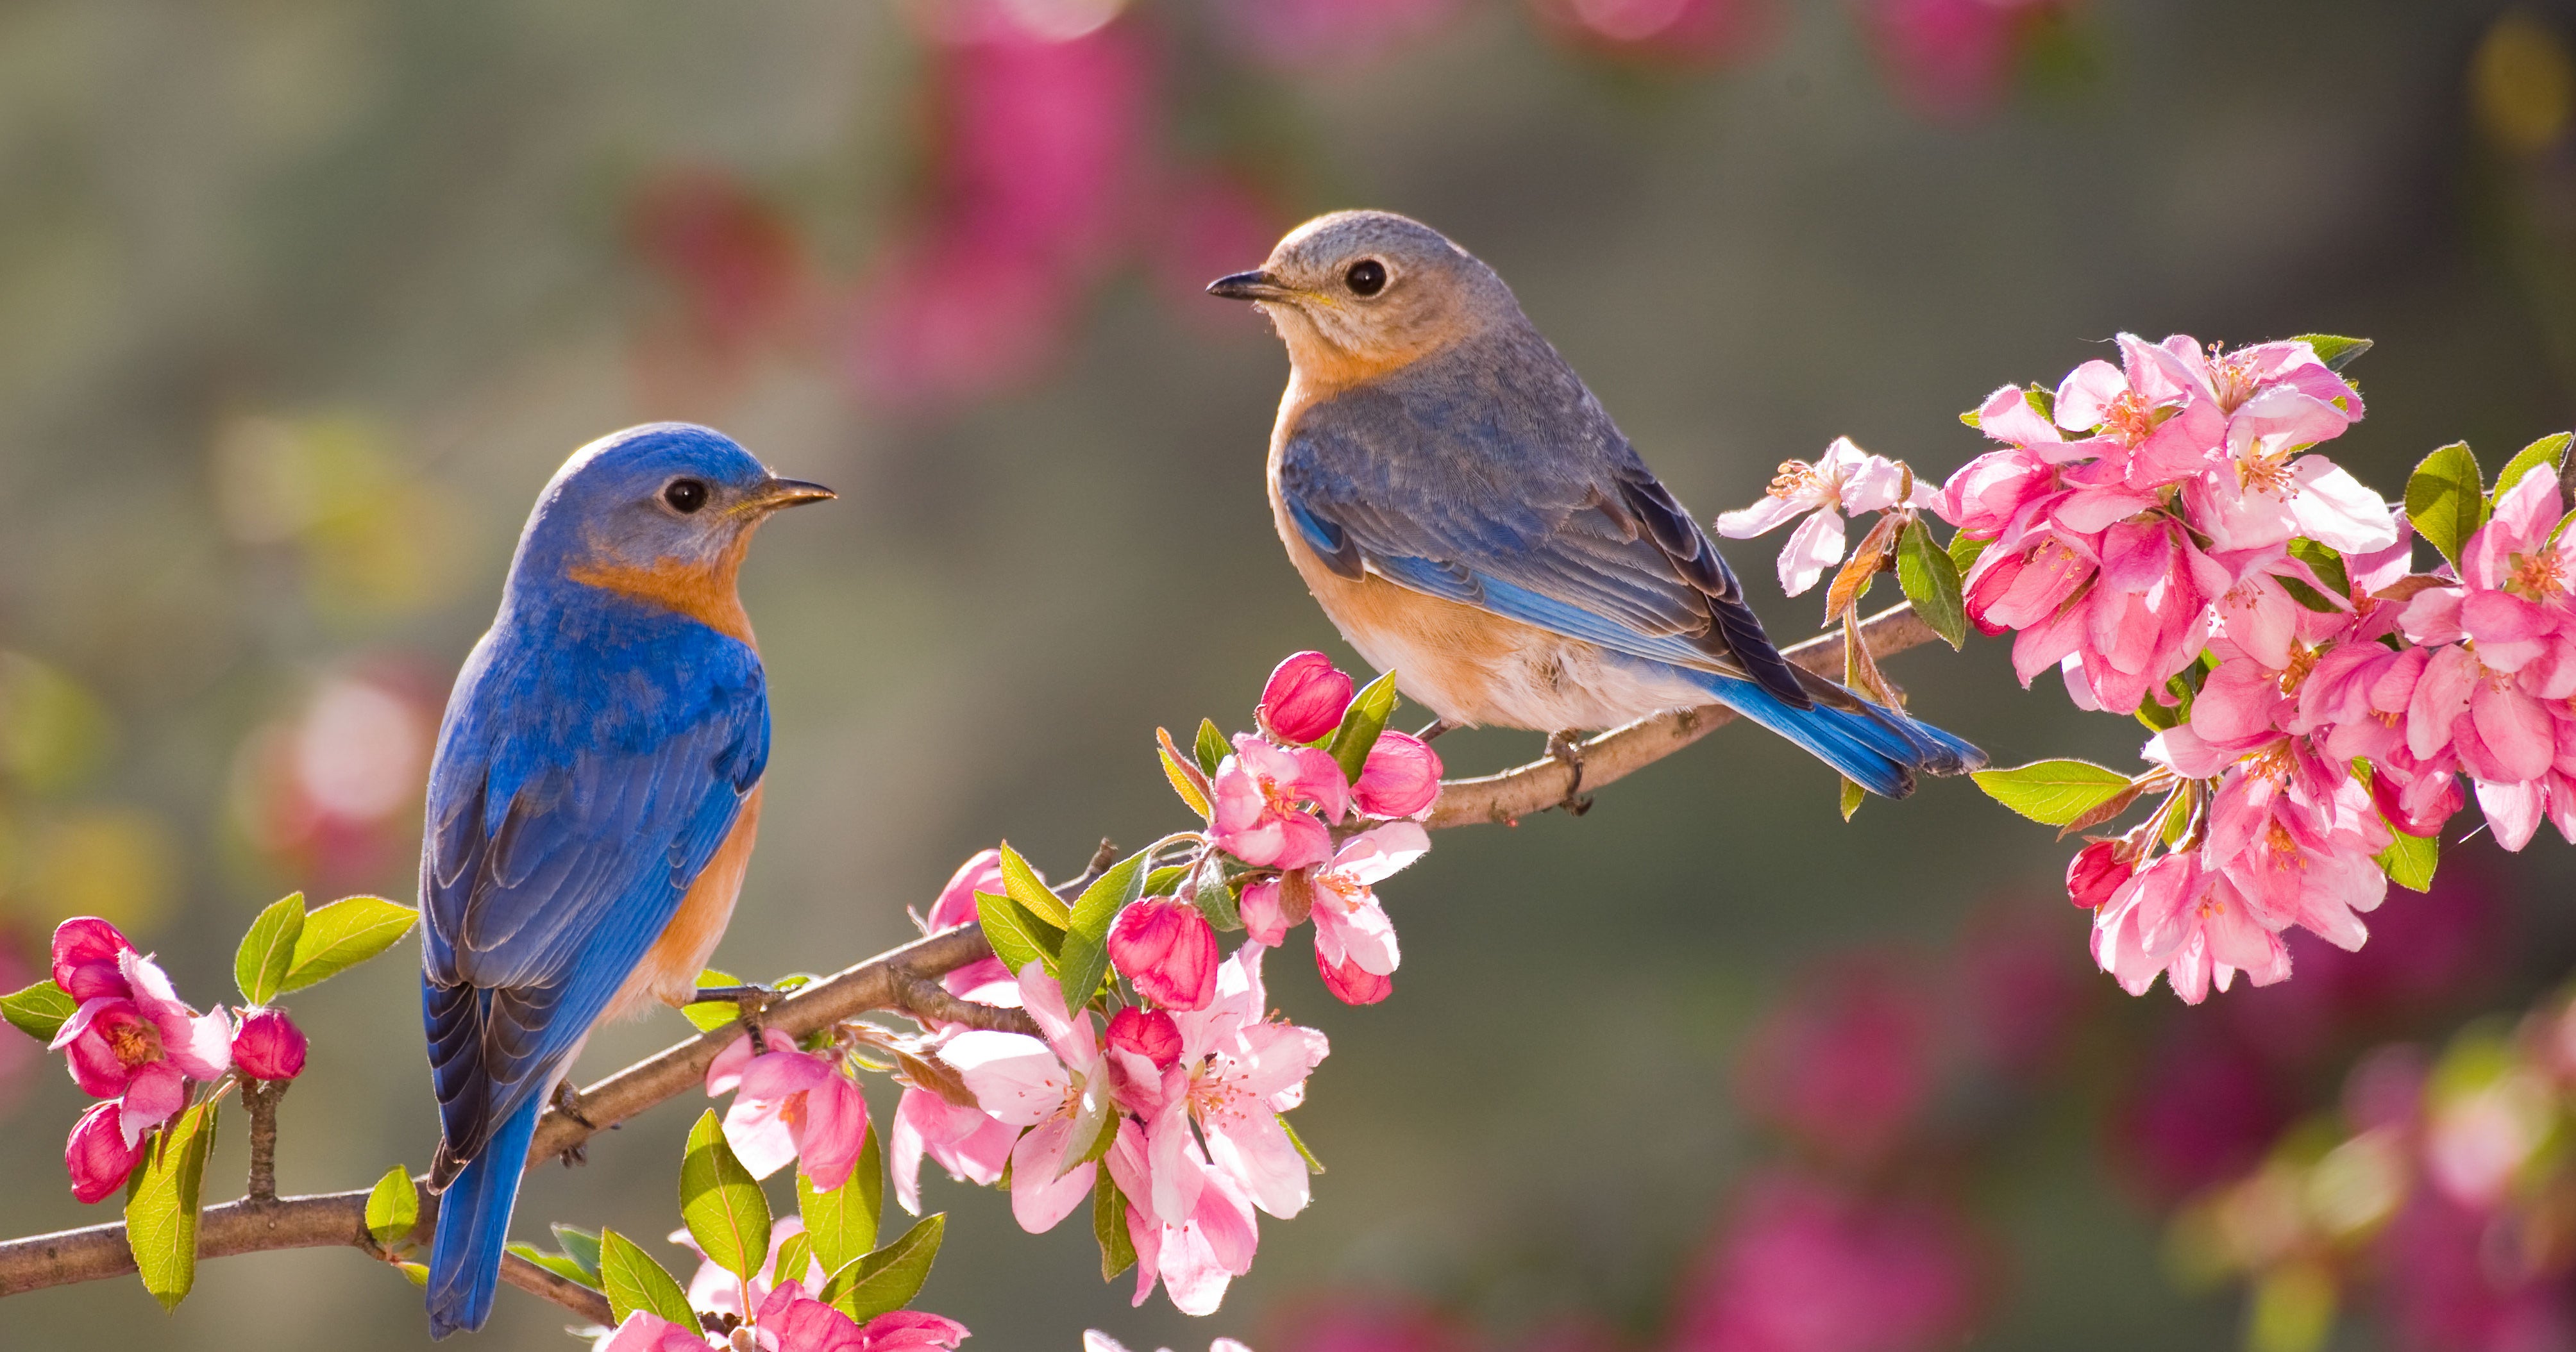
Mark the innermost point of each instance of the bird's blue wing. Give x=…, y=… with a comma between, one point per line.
x=1489, y=476
x=584, y=778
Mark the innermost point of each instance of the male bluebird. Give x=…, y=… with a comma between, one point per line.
x=592, y=804
x=1471, y=519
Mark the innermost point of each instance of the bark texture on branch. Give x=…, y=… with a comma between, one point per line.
x=1622, y=751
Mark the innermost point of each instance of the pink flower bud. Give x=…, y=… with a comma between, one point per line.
x=1166, y=947
x=1149, y=1033
x=1305, y=697
x=2095, y=873
x=97, y=1155
x=1401, y=778
x=85, y=952
x=269, y=1046
x=1351, y=983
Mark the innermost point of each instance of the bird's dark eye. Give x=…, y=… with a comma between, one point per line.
x=685, y=495
x=1366, y=277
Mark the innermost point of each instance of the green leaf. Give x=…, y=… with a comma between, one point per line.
x=393, y=1208
x=721, y=1202
x=1211, y=749
x=1974, y=418
x=417, y=1272
x=709, y=1015
x=259, y=965
x=795, y=1258
x=1361, y=723
x=1012, y=932
x=842, y=1223
x=2042, y=401
x=40, y=1010
x=343, y=934
x=1853, y=796
x=1024, y=887
x=1109, y=1226
x=1216, y=902
x=2053, y=792
x=562, y=1265
x=582, y=1247
x=2158, y=716
x=633, y=1281
x=1313, y=1165
x=2326, y=562
x=161, y=1215
x=2548, y=453
x=889, y=1278
x=1085, y=959
x=1964, y=550
x=2445, y=501
x=2337, y=353
x=2308, y=596
x=1165, y=881
x=1931, y=581
x=2409, y=861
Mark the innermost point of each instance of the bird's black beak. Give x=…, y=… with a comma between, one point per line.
x=779, y=493
x=1253, y=285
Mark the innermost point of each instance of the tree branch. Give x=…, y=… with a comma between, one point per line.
x=1620, y=752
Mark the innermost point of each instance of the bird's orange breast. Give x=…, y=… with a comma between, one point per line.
x=669, y=971
x=703, y=591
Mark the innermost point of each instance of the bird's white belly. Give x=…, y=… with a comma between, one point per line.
x=1517, y=676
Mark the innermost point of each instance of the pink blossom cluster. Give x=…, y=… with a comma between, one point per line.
x=776, y=1312
x=132, y=1043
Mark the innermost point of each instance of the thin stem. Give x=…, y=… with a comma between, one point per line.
x=259, y=1098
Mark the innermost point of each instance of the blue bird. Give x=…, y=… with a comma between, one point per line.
x=1471, y=519
x=592, y=803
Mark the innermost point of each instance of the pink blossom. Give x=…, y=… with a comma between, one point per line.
x=1167, y=949
x=1803, y=1266
x=132, y=1040
x=1196, y=1257
x=1401, y=777
x=1847, y=1064
x=986, y=980
x=2297, y=836
x=268, y=1045
x=2096, y=872
x=1236, y=1072
x=98, y=1155
x=1150, y=1034
x=1258, y=818
x=642, y=1331
x=1846, y=479
x=1058, y=1088
x=2177, y=918
x=792, y=1321
x=88, y=954
x=1305, y=697
x=793, y=1105
x=1355, y=946
x=969, y=1143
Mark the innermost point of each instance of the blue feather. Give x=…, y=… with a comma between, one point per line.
x=474, y=1227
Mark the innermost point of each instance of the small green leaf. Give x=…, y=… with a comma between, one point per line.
x=1853, y=796
x=582, y=1247
x=633, y=1281
x=1165, y=881
x=2445, y=500
x=1964, y=550
x=1361, y=723
x=259, y=965
x=562, y=1265
x=795, y=1258
x=2053, y=792
x=1313, y=1165
x=2308, y=596
x=1179, y=778
x=709, y=1015
x=2337, y=353
x=417, y=1272
x=1931, y=581
x=1211, y=748
x=842, y=1223
x=1012, y=932
x=2548, y=453
x=2326, y=562
x=889, y=1278
x=40, y=1010
x=161, y=1216
x=2409, y=861
x=2158, y=716
x=1974, y=418
x=721, y=1202
x=343, y=934
x=1216, y=902
x=2042, y=401
x=1085, y=959
x=1109, y=1226
x=1025, y=887
x=393, y=1208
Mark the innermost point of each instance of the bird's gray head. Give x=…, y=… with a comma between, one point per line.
x=1359, y=293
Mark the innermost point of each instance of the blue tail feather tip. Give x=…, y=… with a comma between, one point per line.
x=474, y=1228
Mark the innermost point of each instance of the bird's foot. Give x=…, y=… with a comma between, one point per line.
x=1434, y=728
x=752, y=1000
x=1566, y=750
x=567, y=1100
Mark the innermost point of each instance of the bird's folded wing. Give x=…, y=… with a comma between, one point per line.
x=1578, y=540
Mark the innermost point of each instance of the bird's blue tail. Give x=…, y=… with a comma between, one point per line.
x=1876, y=747
x=474, y=1224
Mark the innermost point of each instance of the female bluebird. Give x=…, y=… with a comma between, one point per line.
x=592, y=804
x=1471, y=519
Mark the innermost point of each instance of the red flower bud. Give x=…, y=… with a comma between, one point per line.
x=2096, y=872
x=1149, y=1033
x=97, y=1155
x=269, y=1046
x=1305, y=698
x=1166, y=947
x=85, y=952
x=1351, y=983
x=1401, y=778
